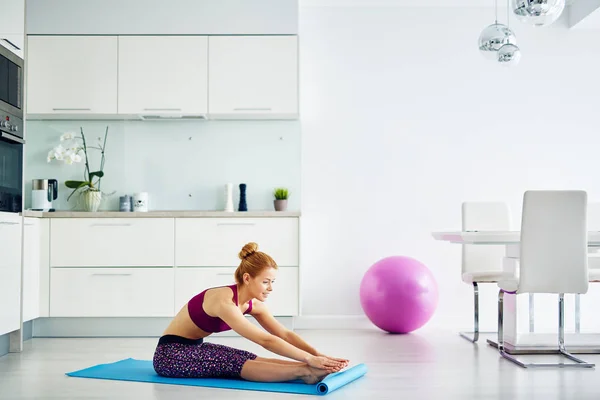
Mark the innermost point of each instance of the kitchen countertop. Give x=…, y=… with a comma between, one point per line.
x=161, y=214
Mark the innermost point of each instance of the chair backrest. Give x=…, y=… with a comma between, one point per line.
x=484, y=216
x=554, y=242
x=593, y=216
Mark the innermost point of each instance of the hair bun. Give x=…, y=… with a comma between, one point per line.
x=248, y=250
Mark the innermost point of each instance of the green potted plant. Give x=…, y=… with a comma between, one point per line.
x=70, y=150
x=281, y=197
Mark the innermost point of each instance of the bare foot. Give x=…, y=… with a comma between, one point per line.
x=314, y=375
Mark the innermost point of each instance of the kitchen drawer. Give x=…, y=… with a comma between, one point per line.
x=283, y=301
x=111, y=292
x=32, y=235
x=112, y=242
x=10, y=240
x=216, y=242
x=10, y=298
x=10, y=272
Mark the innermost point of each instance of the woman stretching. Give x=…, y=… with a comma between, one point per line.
x=181, y=351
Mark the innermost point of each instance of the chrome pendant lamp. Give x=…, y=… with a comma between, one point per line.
x=538, y=12
x=498, y=42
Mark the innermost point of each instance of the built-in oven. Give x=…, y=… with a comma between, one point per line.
x=11, y=131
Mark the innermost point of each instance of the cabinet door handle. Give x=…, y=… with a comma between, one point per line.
x=252, y=109
x=224, y=274
x=72, y=109
x=8, y=223
x=11, y=43
x=111, y=274
x=236, y=224
x=12, y=138
x=108, y=224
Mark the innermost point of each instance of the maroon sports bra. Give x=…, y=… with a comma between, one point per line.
x=205, y=321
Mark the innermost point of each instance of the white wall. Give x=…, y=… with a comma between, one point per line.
x=403, y=120
x=183, y=165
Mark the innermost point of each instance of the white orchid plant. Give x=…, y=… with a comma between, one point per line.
x=74, y=149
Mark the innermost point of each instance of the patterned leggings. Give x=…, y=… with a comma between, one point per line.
x=178, y=357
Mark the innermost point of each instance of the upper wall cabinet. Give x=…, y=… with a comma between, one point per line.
x=132, y=77
x=72, y=75
x=253, y=76
x=161, y=75
x=12, y=29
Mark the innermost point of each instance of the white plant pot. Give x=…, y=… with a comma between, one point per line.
x=90, y=200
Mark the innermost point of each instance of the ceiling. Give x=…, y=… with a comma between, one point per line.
x=581, y=14
x=584, y=14
x=409, y=3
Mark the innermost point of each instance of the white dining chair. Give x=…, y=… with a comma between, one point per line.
x=593, y=224
x=553, y=259
x=482, y=263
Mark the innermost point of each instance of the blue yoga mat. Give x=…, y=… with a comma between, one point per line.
x=142, y=371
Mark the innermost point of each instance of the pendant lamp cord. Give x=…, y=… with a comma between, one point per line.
x=496, y=4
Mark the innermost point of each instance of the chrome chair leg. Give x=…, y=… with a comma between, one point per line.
x=577, y=313
x=531, y=314
x=474, y=336
x=501, y=321
x=561, y=340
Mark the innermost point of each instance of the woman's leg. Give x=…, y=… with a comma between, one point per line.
x=260, y=371
x=176, y=360
x=246, y=365
x=278, y=361
x=210, y=360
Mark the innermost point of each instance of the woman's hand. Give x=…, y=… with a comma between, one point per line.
x=326, y=363
x=342, y=360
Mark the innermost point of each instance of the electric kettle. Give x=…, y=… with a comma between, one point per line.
x=43, y=193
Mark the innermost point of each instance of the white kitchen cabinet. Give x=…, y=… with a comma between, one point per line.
x=111, y=292
x=112, y=242
x=126, y=267
x=162, y=75
x=216, y=242
x=283, y=300
x=31, y=268
x=72, y=75
x=253, y=77
x=10, y=272
x=12, y=29
x=14, y=42
x=44, y=275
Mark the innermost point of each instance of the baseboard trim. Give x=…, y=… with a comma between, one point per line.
x=153, y=327
x=332, y=322
x=113, y=327
x=27, y=330
x=4, y=344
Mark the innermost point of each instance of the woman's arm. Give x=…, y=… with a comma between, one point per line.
x=295, y=340
x=267, y=321
x=233, y=317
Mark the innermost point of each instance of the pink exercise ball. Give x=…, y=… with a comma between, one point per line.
x=398, y=294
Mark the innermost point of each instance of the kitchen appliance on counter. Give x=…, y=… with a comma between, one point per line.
x=11, y=131
x=43, y=193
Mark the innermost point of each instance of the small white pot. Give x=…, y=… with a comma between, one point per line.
x=90, y=200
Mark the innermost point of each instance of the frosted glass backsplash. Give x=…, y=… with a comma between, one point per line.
x=183, y=165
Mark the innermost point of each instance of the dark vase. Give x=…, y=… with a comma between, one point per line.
x=243, y=206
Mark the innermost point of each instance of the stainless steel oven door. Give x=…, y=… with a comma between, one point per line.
x=11, y=85
x=11, y=173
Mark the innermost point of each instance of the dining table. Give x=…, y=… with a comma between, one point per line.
x=517, y=339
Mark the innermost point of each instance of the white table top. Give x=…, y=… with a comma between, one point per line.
x=496, y=237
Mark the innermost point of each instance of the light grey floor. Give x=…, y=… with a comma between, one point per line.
x=423, y=365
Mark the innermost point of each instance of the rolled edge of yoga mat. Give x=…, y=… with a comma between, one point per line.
x=339, y=379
